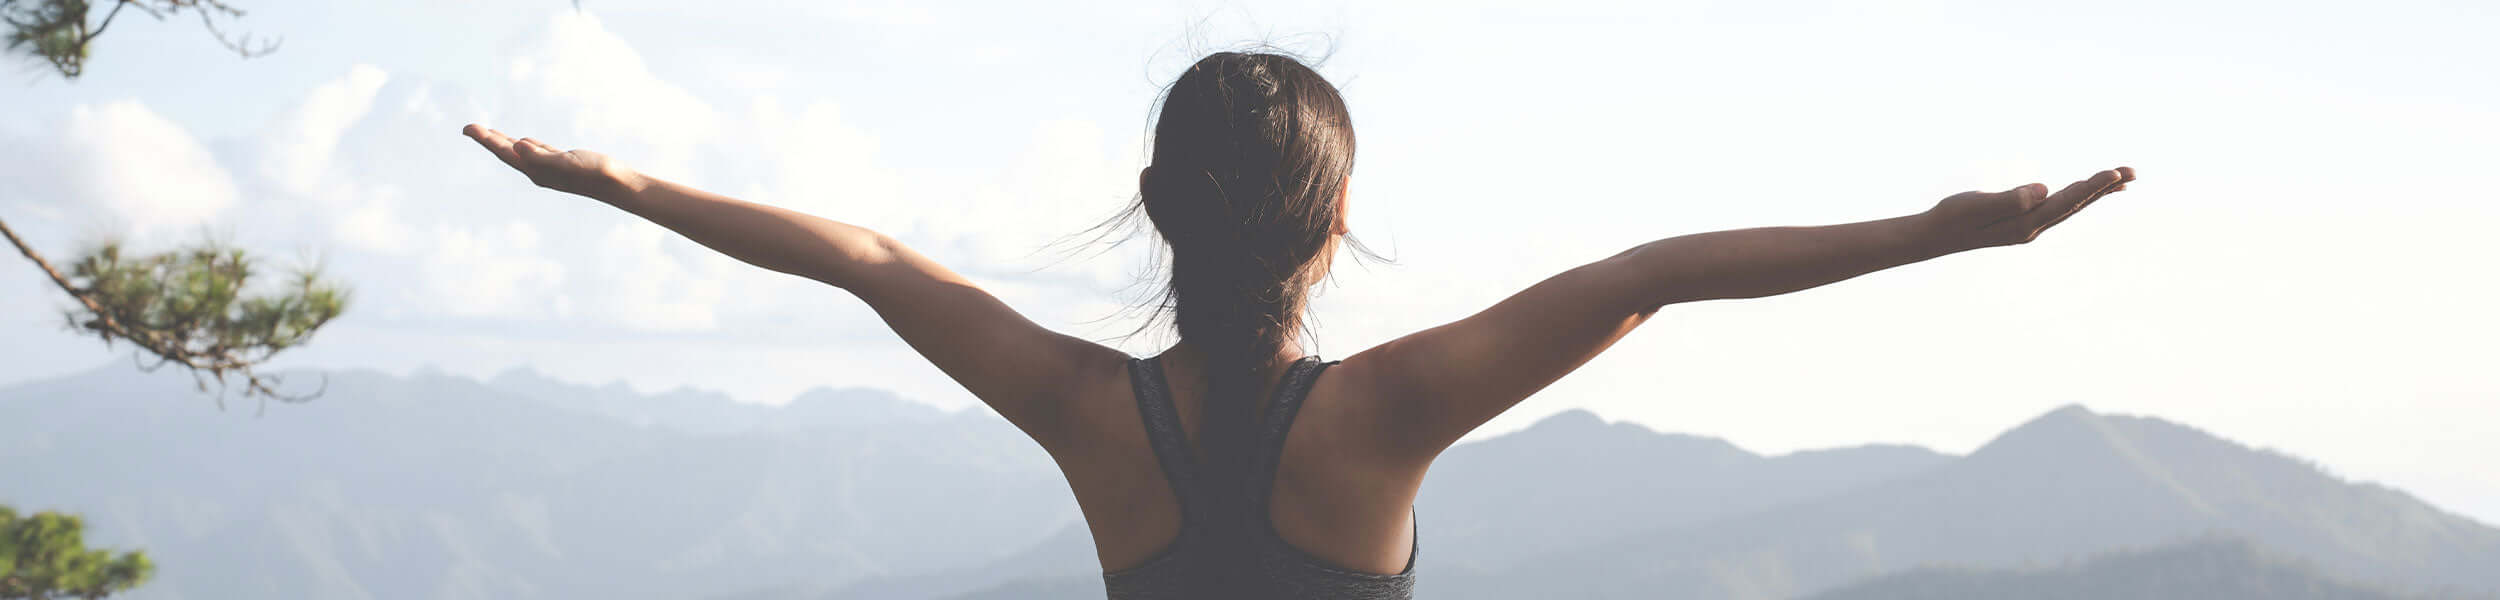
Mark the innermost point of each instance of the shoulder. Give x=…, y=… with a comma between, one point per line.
x=1354, y=410
x=1094, y=395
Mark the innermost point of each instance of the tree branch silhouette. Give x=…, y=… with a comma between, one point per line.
x=57, y=32
x=187, y=308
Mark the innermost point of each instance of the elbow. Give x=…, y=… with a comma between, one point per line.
x=1659, y=278
x=846, y=261
x=876, y=247
x=1635, y=283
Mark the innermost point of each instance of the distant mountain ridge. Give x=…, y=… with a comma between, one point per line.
x=702, y=412
x=1579, y=472
x=2214, y=568
x=2066, y=484
x=442, y=486
x=1685, y=479
x=526, y=487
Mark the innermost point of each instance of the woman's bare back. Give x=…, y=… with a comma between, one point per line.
x=1329, y=500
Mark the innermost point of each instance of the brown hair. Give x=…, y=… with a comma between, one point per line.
x=1250, y=157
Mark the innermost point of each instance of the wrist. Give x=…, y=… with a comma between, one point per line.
x=620, y=186
x=1929, y=235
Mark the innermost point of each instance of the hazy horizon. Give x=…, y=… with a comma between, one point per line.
x=2301, y=266
x=526, y=487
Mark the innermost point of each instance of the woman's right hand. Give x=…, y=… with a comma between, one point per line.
x=1972, y=220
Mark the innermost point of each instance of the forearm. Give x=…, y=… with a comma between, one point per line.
x=1769, y=261
x=762, y=235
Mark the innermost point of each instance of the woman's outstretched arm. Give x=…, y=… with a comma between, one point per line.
x=1436, y=385
x=1019, y=368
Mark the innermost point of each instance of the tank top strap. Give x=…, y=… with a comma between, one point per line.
x=1275, y=426
x=1169, y=440
x=1227, y=548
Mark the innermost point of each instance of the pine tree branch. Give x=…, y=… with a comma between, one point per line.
x=107, y=22
x=171, y=342
x=57, y=279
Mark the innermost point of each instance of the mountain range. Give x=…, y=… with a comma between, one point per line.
x=2213, y=567
x=520, y=486
x=2066, y=484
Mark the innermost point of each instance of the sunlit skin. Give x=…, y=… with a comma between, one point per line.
x=1372, y=425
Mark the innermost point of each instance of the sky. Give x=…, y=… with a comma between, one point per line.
x=2303, y=265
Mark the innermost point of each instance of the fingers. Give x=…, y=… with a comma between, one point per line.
x=2084, y=194
x=532, y=150
x=2125, y=174
x=2076, y=193
x=495, y=142
x=514, y=153
x=2030, y=196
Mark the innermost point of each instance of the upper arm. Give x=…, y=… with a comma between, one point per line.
x=1023, y=370
x=1430, y=388
x=1019, y=368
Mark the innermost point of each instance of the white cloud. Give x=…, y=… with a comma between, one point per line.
x=887, y=13
x=602, y=85
x=753, y=77
x=375, y=224
x=423, y=104
x=1038, y=209
x=643, y=287
x=493, y=273
x=147, y=169
x=300, y=150
x=824, y=165
x=578, y=84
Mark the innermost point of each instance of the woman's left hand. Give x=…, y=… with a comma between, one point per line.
x=580, y=172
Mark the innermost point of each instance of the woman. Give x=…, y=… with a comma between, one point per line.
x=1259, y=471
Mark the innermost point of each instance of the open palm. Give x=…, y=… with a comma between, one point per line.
x=2019, y=215
x=573, y=171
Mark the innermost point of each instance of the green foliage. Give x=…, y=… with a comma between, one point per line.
x=56, y=31
x=190, y=307
x=45, y=556
x=193, y=299
x=53, y=30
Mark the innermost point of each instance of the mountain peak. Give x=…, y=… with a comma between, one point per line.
x=1573, y=419
x=1581, y=429
x=2056, y=432
x=2069, y=411
x=859, y=406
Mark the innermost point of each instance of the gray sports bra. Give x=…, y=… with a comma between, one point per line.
x=1251, y=562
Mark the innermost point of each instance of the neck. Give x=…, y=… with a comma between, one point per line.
x=1185, y=361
